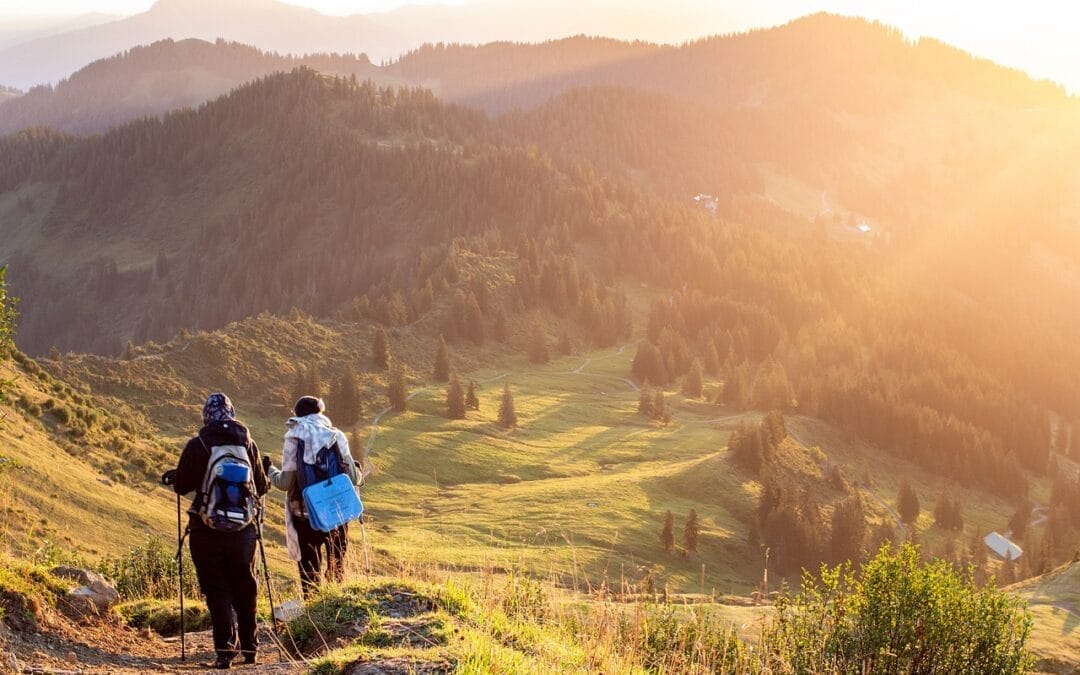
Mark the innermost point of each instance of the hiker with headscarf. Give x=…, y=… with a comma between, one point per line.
x=223, y=550
x=312, y=431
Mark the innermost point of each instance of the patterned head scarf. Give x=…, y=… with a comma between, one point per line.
x=218, y=408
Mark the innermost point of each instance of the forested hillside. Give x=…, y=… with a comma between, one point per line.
x=939, y=336
x=155, y=79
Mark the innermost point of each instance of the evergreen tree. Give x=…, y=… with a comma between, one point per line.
x=380, y=350
x=442, y=362
x=455, y=399
x=474, y=320
x=346, y=398
x=538, y=348
x=398, y=390
x=1019, y=521
x=659, y=408
x=667, y=533
x=691, y=532
x=692, y=382
x=645, y=402
x=907, y=503
x=500, y=330
x=775, y=428
x=507, y=415
x=947, y=512
x=848, y=533
x=471, y=400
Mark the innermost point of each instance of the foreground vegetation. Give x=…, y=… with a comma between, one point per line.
x=895, y=614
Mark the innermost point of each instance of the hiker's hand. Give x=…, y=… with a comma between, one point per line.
x=169, y=477
x=267, y=464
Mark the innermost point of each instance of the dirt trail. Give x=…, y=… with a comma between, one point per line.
x=106, y=647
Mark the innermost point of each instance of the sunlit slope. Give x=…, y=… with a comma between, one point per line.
x=73, y=479
x=1054, y=602
x=578, y=491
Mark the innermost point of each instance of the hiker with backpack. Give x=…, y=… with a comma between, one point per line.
x=221, y=464
x=319, y=475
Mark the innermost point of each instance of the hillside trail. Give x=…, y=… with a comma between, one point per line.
x=107, y=647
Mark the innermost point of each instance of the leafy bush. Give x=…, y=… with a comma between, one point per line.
x=898, y=615
x=149, y=571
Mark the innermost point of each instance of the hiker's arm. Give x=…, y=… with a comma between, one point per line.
x=258, y=476
x=351, y=466
x=188, y=472
x=284, y=480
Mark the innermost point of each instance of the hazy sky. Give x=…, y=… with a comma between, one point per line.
x=1035, y=35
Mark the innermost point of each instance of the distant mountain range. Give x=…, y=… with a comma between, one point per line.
x=157, y=78
x=46, y=56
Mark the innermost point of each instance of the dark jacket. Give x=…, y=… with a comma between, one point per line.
x=193, y=461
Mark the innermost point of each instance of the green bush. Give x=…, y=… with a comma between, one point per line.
x=149, y=571
x=62, y=414
x=899, y=615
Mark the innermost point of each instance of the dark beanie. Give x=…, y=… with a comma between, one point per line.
x=308, y=405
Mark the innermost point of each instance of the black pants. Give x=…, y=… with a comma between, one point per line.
x=312, y=542
x=225, y=565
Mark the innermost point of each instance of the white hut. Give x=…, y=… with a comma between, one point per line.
x=1004, y=548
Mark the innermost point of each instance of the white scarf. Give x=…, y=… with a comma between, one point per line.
x=317, y=432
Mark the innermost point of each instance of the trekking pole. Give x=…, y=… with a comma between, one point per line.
x=266, y=569
x=363, y=546
x=180, y=573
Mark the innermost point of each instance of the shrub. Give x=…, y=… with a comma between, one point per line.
x=149, y=571
x=898, y=615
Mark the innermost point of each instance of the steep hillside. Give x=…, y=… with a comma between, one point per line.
x=156, y=79
x=79, y=473
x=1053, y=601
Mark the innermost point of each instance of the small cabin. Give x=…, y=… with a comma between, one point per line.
x=1002, y=547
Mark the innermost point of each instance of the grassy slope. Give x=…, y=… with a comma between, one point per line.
x=72, y=492
x=1054, y=601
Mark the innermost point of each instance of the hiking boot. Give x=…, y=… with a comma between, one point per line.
x=249, y=658
x=223, y=663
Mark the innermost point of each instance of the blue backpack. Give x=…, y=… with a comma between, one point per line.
x=328, y=493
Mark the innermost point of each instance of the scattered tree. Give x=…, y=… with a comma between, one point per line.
x=667, y=533
x=380, y=350
x=507, y=415
x=398, y=391
x=692, y=385
x=346, y=398
x=471, y=400
x=848, y=531
x=907, y=503
x=691, y=532
x=455, y=399
x=442, y=362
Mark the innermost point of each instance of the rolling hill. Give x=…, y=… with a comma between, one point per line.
x=270, y=25
x=156, y=79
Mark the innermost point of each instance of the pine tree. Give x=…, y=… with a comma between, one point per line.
x=380, y=350
x=442, y=362
x=645, y=402
x=848, y=530
x=907, y=503
x=347, y=407
x=474, y=320
x=667, y=534
x=1019, y=521
x=692, y=382
x=691, y=532
x=455, y=399
x=659, y=408
x=538, y=348
x=471, y=400
x=507, y=415
x=398, y=392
